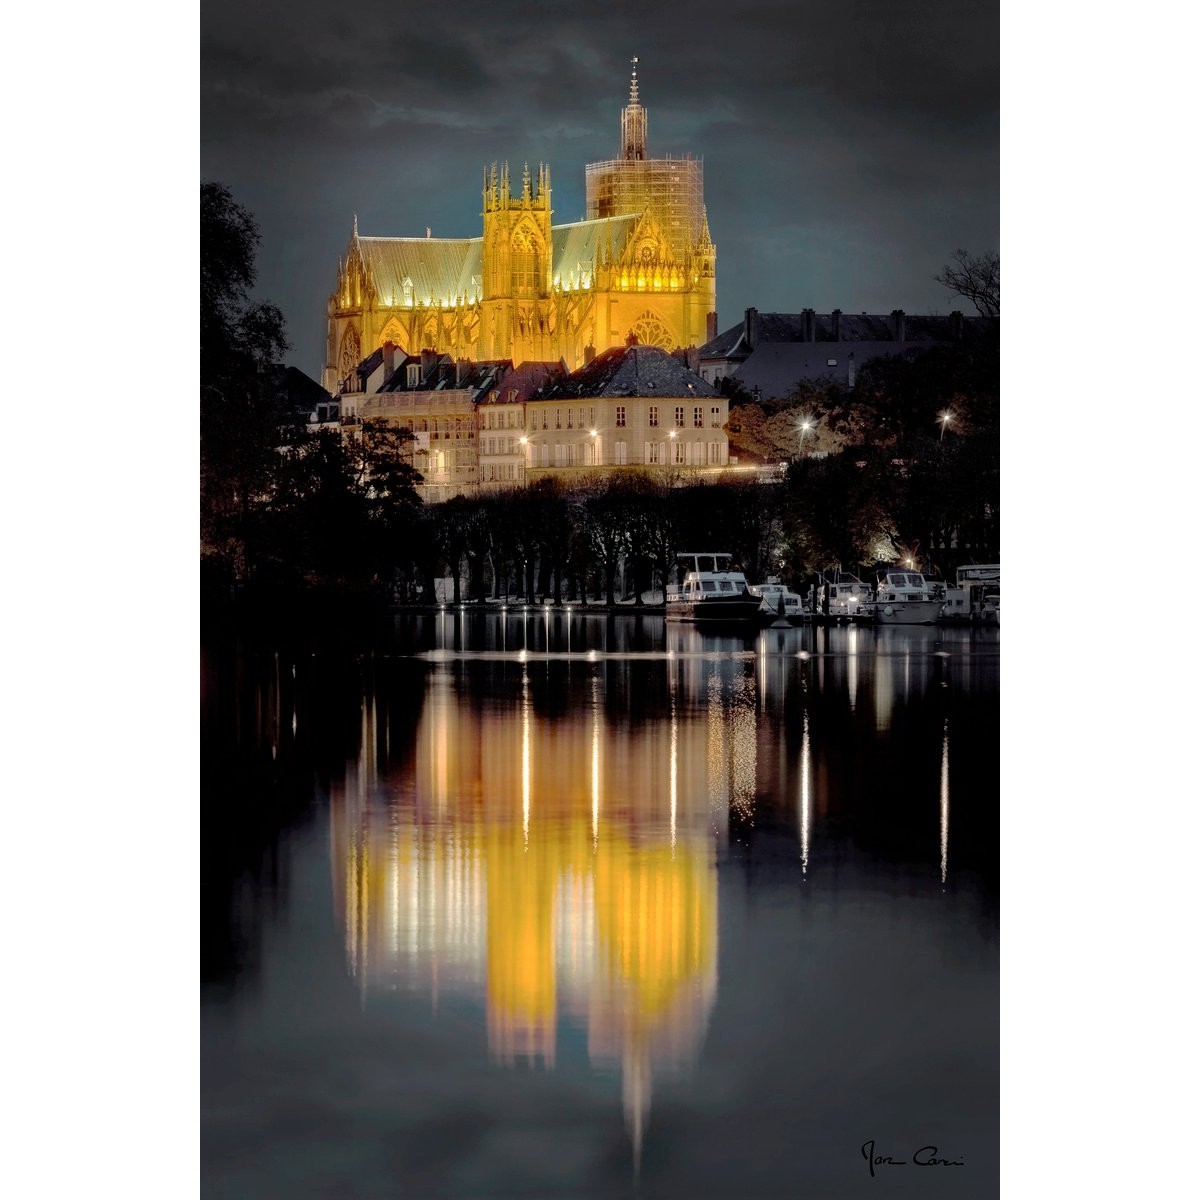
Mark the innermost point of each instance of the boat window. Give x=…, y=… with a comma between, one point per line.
x=709, y=585
x=726, y=586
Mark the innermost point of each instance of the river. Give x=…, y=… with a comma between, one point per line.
x=538, y=904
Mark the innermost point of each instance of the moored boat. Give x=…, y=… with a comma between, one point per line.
x=846, y=596
x=975, y=596
x=904, y=597
x=779, y=603
x=711, y=592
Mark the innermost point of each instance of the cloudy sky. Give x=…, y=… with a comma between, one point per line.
x=848, y=149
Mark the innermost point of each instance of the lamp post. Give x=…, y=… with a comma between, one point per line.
x=805, y=426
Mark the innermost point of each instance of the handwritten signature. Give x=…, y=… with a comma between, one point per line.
x=926, y=1156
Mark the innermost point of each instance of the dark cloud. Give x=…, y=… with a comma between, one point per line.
x=848, y=149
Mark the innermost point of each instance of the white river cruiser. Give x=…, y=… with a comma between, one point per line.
x=975, y=596
x=779, y=603
x=905, y=597
x=846, y=596
x=711, y=591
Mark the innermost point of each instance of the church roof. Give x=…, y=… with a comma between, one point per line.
x=576, y=246
x=439, y=269
x=630, y=371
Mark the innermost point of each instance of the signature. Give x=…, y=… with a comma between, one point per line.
x=926, y=1156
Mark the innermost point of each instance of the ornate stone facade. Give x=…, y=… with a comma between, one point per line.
x=643, y=263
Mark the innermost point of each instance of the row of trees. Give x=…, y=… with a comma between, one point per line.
x=550, y=542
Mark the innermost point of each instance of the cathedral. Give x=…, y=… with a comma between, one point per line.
x=641, y=265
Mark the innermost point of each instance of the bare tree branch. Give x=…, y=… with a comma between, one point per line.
x=976, y=279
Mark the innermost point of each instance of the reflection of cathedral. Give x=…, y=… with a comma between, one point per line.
x=642, y=263
x=556, y=870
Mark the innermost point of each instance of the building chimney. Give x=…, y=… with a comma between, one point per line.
x=389, y=360
x=750, y=329
x=462, y=368
x=589, y=352
x=898, y=324
x=710, y=326
x=808, y=326
x=956, y=325
x=837, y=327
x=428, y=362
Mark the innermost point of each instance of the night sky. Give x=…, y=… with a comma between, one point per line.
x=848, y=149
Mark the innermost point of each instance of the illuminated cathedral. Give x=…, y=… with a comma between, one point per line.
x=642, y=263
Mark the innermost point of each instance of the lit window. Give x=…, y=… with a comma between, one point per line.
x=698, y=417
x=654, y=414
x=679, y=415
x=716, y=417
x=621, y=415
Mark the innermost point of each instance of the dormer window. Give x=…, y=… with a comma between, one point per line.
x=414, y=375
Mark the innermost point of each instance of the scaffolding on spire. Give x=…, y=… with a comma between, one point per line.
x=670, y=189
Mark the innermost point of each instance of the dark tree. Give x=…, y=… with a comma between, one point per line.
x=240, y=412
x=975, y=278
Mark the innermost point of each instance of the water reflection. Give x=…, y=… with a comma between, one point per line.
x=555, y=870
x=567, y=829
x=550, y=854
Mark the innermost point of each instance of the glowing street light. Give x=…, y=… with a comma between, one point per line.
x=945, y=418
x=804, y=427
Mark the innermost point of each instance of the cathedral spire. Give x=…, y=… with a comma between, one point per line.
x=525, y=193
x=633, y=122
x=356, y=225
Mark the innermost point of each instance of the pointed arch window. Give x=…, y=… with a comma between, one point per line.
x=526, y=264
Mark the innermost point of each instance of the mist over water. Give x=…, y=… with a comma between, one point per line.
x=573, y=905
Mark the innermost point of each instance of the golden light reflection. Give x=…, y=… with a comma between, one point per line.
x=526, y=765
x=597, y=906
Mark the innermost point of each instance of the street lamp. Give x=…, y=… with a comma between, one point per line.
x=945, y=418
x=804, y=427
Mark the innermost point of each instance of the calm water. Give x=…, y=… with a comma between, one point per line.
x=538, y=906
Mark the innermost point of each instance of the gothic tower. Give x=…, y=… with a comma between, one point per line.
x=517, y=266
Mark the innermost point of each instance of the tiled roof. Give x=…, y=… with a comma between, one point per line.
x=630, y=371
x=852, y=327
x=516, y=384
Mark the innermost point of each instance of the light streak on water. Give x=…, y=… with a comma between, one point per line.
x=805, y=797
x=526, y=771
x=674, y=771
x=945, y=797
x=595, y=760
